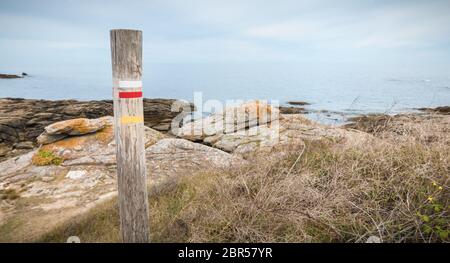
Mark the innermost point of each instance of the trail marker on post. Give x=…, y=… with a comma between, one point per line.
x=126, y=58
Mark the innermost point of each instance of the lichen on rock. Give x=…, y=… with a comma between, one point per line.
x=80, y=126
x=43, y=157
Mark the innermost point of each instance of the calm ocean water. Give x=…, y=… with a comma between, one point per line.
x=338, y=90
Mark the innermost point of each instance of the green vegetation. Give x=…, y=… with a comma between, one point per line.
x=43, y=157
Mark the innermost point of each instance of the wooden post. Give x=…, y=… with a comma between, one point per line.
x=126, y=54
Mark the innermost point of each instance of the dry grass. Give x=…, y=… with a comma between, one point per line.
x=9, y=194
x=397, y=189
x=100, y=224
x=330, y=196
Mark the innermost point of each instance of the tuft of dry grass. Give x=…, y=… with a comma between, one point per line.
x=9, y=194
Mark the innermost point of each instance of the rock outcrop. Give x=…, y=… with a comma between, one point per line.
x=230, y=120
x=298, y=103
x=62, y=129
x=290, y=129
x=262, y=131
x=67, y=177
x=292, y=110
x=23, y=120
x=10, y=76
x=439, y=110
x=95, y=147
x=173, y=157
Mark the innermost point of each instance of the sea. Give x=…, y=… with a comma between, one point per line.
x=334, y=92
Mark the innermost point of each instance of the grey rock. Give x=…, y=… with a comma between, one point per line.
x=75, y=175
x=46, y=138
x=4, y=149
x=47, y=178
x=15, y=164
x=24, y=145
x=289, y=129
x=78, y=126
x=174, y=157
x=373, y=239
x=230, y=120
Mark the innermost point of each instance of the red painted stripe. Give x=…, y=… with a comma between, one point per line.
x=130, y=94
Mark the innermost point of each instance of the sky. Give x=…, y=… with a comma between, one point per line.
x=64, y=33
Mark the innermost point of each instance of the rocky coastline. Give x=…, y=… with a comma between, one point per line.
x=58, y=158
x=23, y=120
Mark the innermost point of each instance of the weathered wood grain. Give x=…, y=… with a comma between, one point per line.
x=126, y=54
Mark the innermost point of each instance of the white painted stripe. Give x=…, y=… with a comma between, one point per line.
x=130, y=84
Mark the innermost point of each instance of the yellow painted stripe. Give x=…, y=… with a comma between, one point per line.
x=131, y=119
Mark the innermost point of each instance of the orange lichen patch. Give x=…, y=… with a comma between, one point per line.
x=67, y=143
x=105, y=135
x=74, y=124
x=45, y=157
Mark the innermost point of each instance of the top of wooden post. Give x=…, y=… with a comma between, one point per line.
x=126, y=54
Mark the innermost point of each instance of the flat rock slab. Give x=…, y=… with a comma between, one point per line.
x=76, y=174
x=169, y=160
x=78, y=126
x=59, y=130
x=229, y=120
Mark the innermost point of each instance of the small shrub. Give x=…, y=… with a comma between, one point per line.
x=43, y=157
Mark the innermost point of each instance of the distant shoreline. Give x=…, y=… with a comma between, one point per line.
x=290, y=107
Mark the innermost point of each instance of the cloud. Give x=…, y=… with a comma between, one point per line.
x=231, y=31
x=38, y=32
x=382, y=27
x=290, y=30
x=208, y=50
